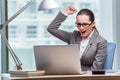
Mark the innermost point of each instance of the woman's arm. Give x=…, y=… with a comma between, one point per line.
x=53, y=28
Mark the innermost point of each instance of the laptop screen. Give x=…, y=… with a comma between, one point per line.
x=58, y=59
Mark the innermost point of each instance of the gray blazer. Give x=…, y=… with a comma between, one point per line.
x=94, y=56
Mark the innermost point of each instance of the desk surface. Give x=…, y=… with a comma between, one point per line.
x=88, y=76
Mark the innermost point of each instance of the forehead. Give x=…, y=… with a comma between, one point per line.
x=83, y=18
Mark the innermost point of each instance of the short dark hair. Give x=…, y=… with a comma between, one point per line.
x=88, y=13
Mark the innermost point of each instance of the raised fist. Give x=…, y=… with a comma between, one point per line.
x=70, y=10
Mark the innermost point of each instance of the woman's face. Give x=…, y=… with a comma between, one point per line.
x=84, y=25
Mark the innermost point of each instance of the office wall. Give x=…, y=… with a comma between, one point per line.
x=110, y=23
x=116, y=31
x=106, y=28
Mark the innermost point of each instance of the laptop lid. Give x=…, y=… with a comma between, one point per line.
x=58, y=59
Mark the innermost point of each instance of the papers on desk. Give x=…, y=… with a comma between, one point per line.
x=26, y=73
x=117, y=73
x=113, y=71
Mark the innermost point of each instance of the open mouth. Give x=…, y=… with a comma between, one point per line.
x=83, y=32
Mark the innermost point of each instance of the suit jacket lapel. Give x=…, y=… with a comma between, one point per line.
x=95, y=34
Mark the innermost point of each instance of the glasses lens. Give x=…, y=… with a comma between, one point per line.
x=82, y=24
x=85, y=25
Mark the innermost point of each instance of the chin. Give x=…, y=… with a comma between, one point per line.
x=84, y=36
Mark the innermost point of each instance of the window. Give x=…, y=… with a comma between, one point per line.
x=12, y=32
x=46, y=33
x=85, y=5
x=30, y=28
x=31, y=32
x=65, y=4
x=13, y=5
x=68, y=28
x=31, y=9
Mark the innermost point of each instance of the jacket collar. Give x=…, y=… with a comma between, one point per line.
x=93, y=37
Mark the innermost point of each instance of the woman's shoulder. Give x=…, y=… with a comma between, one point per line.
x=101, y=39
x=76, y=33
x=98, y=37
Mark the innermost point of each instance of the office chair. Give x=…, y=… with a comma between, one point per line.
x=110, y=56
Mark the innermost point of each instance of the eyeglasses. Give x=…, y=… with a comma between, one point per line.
x=82, y=24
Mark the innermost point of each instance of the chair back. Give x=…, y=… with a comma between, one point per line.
x=110, y=56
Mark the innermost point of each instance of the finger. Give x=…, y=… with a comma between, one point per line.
x=72, y=9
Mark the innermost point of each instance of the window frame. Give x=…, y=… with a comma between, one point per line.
x=4, y=50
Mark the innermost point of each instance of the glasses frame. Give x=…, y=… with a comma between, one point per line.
x=84, y=25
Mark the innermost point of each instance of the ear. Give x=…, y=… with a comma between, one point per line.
x=93, y=24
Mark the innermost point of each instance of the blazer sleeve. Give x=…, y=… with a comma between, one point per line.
x=100, y=57
x=53, y=28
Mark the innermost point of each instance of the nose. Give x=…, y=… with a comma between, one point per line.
x=81, y=27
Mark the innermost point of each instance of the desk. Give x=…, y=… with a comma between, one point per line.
x=88, y=76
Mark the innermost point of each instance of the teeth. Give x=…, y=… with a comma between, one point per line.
x=83, y=31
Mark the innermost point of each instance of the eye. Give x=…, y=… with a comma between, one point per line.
x=78, y=23
x=85, y=24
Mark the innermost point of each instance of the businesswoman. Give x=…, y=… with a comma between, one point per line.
x=92, y=46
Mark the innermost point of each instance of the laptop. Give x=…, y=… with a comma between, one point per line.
x=57, y=59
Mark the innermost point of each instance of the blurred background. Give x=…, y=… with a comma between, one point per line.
x=30, y=27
